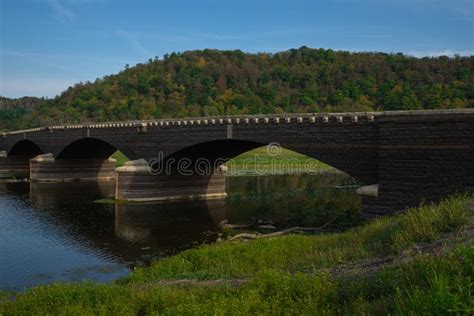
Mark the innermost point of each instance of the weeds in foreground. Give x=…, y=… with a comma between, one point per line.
x=425, y=285
x=293, y=253
x=285, y=276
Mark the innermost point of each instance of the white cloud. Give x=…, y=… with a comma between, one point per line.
x=60, y=10
x=446, y=52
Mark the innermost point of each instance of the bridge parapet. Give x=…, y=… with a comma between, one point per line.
x=354, y=117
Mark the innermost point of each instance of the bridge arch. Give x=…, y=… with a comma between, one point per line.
x=17, y=160
x=223, y=150
x=86, y=159
x=87, y=148
x=192, y=171
x=25, y=148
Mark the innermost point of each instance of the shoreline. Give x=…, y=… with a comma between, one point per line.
x=438, y=236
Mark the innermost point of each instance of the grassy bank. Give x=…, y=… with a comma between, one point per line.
x=264, y=160
x=390, y=265
x=120, y=157
x=261, y=161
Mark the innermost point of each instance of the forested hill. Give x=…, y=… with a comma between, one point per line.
x=24, y=102
x=212, y=82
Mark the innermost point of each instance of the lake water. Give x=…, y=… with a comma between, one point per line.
x=57, y=232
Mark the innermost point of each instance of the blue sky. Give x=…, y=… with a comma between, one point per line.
x=47, y=45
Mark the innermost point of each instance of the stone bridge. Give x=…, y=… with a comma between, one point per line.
x=403, y=158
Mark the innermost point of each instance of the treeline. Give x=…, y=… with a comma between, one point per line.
x=12, y=111
x=24, y=102
x=213, y=82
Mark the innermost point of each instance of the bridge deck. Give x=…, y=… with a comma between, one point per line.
x=264, y=118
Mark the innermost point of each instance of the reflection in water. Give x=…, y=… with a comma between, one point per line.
x=294, y=200
x=51, y=232
x=58, y=195
x=168, y=227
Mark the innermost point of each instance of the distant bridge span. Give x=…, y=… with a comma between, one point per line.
x=412, y=156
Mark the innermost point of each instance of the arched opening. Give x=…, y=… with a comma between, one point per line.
x=222, y=150
x=92, y=148
x=87, y=148
x=272, y=159
x=245, y=154
x=86, y=159
x=25, y=148
x=265, y=182
x=17, y=162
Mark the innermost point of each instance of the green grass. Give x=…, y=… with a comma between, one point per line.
x=261, y=161
x=293, y=253
x=288, y=275
x=120, y=157
x=426, y=285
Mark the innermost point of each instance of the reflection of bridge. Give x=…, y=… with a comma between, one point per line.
x=412, y=156
x=120, y=230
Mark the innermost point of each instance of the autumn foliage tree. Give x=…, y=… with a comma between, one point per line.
x=213, y=82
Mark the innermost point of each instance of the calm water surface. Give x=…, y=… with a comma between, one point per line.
x=56, y=232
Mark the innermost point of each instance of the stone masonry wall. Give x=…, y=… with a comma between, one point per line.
x=423, y=159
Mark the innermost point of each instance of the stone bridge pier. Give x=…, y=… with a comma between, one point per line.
x=16, y=162
x=14, y=166
x=139, y=181
x=45, y=168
